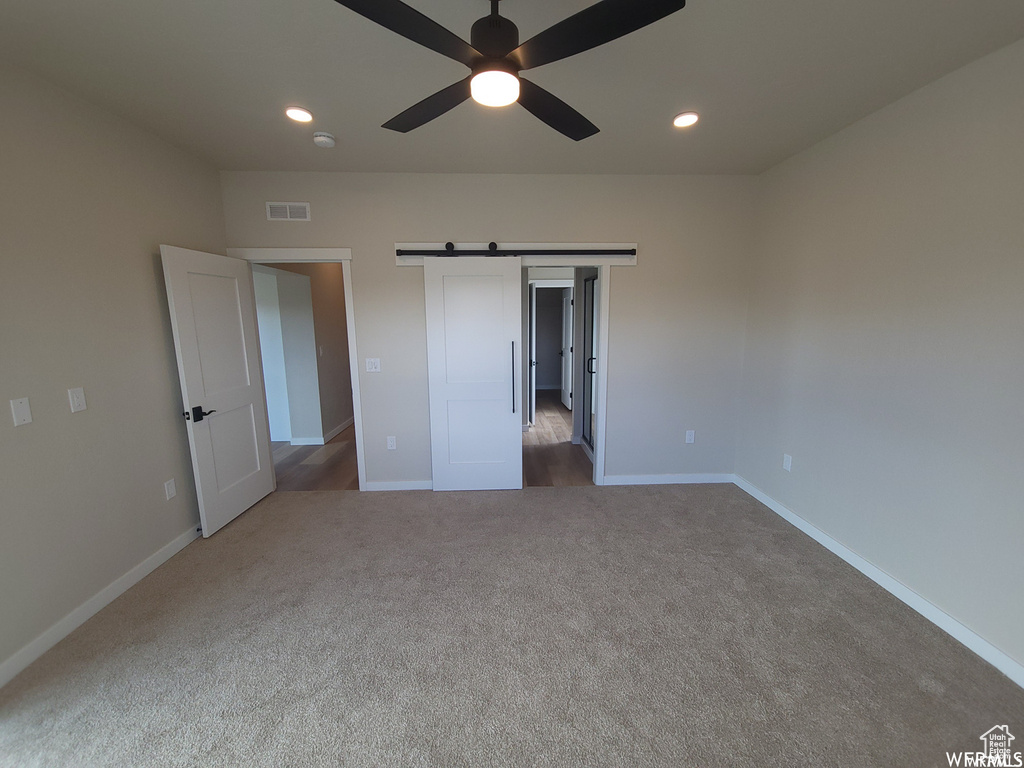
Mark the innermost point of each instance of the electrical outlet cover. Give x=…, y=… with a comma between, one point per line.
x=20, y=411
x=76, y=397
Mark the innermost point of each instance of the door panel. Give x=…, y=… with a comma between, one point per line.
x=234, y=446
x=213, y=320
x=470, y=431
x=219, y=335
x=474, y=310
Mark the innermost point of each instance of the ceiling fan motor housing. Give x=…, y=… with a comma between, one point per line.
x=494, y=36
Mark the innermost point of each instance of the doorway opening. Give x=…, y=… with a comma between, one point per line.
x=558, y=442
x=304, y=345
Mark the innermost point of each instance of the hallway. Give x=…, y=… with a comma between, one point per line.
x=549, y=457
x=330, y=467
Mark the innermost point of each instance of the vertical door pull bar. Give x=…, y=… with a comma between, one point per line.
x=513, y=377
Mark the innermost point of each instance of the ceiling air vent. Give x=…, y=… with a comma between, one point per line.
x=288, y=211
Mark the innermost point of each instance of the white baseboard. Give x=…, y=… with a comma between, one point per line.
x=15, y=664
x=400, y=485
x=307, y=441
x=339, y=429
x=997, y=658
x=667, y=479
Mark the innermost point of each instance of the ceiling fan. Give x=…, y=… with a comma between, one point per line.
x=496, y=58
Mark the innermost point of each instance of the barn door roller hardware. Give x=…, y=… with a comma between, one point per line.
x=493, y=250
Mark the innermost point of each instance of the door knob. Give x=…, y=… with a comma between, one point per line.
x=198, y=414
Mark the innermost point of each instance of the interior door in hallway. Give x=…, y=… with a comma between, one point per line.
x=474, y=366
x=213, y=320
x=566, y=352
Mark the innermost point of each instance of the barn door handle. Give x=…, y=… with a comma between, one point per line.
x=513, y=377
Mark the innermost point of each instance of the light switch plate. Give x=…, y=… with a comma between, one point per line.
x=76, y=397
x=169, y=489
x=20, y=411
x=392, y=443
x=373, y=365
x=787, y=462
x=690, y=435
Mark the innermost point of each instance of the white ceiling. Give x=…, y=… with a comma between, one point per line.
x=769, y=78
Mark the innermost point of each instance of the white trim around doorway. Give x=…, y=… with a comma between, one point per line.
x=314, y=255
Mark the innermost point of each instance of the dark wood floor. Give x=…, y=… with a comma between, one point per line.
x=549, y=457
x=330, y=467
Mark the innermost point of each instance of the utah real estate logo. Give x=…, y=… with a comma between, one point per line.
x=996, y=752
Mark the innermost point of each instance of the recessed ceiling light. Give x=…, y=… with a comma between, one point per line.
x=298, y=114
x=685, y=119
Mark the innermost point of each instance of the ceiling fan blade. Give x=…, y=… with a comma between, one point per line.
x=555, y=112
x=431, y=107
x=591, y=27
x=410, y=23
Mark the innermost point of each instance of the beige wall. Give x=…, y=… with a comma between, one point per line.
x=85, y=200
x=331, y=332
x=886, y=343
x=677, y=318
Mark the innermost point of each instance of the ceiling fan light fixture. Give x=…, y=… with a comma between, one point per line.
x=299, y=115
x=685, y=119
x=494, y=88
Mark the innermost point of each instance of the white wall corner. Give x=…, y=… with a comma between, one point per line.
x=331, y=434
x=971, y=639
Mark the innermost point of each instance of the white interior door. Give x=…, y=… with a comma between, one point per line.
x=567, y=348
x=474, y=363
x=213, y=319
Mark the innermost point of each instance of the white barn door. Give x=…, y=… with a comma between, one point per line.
x=213, y=319
x=474, y=364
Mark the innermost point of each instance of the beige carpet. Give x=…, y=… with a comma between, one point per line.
x=654, y=626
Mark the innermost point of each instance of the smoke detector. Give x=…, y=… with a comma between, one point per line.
x=323, y=139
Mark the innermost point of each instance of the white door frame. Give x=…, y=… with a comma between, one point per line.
x=314, y=255
x=604, y=265
x=536, y=283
